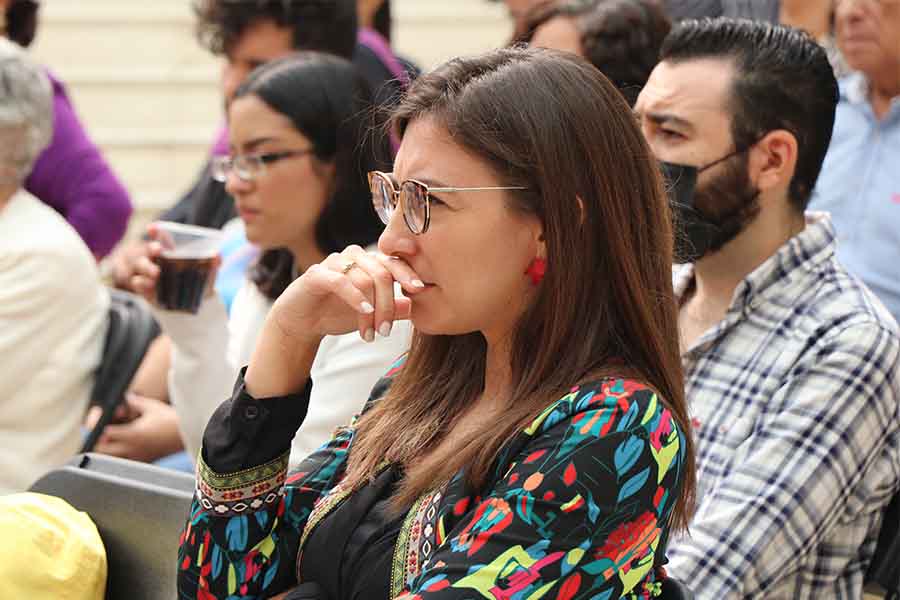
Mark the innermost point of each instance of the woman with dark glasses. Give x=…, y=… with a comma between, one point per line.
x=534, y=442
x=300, y=150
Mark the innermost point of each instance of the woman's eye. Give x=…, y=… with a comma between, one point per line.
x=435, y=201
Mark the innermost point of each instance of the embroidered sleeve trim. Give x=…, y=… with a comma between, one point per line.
x=241, y=487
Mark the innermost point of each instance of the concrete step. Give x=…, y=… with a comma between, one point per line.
x=137, y=102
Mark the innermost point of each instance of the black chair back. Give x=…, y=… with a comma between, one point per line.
x=131, y=329
x=129, y=469
x=883, y=576
x=139, y=511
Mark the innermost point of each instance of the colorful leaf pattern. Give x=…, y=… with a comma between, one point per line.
x=576, y=509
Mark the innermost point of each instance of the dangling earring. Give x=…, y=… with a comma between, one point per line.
x=536, y=270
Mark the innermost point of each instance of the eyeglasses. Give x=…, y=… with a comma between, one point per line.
x=249, y=166
x=414, y=198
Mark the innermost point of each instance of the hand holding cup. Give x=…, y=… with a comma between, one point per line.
x=180, y=266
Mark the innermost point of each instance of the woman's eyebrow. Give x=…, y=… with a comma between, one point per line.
x=255, y=143
x=431, y=182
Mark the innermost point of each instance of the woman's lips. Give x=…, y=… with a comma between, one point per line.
x=247, y=213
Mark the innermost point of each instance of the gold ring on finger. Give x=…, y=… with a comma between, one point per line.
x=348, y=267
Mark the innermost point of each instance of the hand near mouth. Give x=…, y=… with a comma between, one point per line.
x=350, y=290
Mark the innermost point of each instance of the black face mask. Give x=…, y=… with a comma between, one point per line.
x=693, y=230
x=696, y=233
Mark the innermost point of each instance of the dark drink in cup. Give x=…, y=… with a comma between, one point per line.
x=187, y=259
x=182, y=282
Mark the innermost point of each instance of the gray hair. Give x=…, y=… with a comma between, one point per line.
x=26, y=111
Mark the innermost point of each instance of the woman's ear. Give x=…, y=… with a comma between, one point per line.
x=326, y=170
x=542, y=248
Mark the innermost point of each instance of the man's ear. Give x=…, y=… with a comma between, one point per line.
x=773, y=160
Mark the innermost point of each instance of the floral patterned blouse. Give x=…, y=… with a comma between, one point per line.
x=578, y=503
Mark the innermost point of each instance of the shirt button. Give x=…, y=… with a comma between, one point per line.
x=251, y=412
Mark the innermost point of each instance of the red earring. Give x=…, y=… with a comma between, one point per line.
x=536, y=270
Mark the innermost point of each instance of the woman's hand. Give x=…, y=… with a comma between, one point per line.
x=350, y=290
x=143, y=274
x=136, y=270
x=353, y=289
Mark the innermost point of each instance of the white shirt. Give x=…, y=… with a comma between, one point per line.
x=53, y=319
x=209, y=348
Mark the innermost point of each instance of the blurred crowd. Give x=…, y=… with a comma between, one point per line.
x=612, y=305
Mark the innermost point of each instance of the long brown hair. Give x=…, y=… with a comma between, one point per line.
x=554, y=125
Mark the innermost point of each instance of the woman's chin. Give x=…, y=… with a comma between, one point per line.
x=258, y=239
x=428, y=323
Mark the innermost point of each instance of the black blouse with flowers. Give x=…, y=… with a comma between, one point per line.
x=577, y=506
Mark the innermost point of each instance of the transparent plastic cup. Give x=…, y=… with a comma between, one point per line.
x=188, y=256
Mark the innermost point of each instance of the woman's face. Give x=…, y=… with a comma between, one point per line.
x=559, y=33
x=281, y=206
x=474, y=255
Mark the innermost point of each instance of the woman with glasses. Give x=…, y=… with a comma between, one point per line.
x=300, y=149
x=534, y=442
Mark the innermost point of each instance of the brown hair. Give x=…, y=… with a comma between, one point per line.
x=622, y=38
x=551, y=123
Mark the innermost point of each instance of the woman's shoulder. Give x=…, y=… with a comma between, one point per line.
x=604, y=406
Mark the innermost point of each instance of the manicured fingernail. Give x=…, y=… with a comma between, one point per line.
x=370, y=335
x=385, y=329
x=417, y=283
x=367, y=308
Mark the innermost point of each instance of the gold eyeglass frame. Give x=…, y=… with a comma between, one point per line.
x=396, y=190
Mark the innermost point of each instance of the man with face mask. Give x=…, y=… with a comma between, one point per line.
x=790, y=362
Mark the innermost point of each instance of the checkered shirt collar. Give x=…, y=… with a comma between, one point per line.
x=805, y=251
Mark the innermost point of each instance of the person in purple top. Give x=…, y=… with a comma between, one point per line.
x=71, y=175
x=387, y=73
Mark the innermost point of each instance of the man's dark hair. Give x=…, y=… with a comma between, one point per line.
x=323, y=25
x=783, y=80
x=21, y=21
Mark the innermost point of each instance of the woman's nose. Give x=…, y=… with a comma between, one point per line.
x=234, y=185
x=397, y=239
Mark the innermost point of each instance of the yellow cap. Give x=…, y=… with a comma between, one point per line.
x=48, y=549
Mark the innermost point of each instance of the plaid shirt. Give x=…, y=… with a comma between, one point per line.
x=795, y=401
